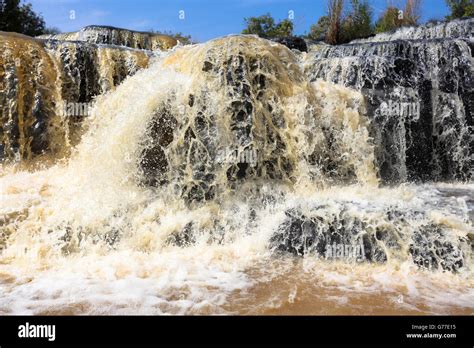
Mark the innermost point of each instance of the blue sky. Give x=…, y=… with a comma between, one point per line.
x=203, y=19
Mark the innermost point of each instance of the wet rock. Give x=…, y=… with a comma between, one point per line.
x=117, y=36
x=324, y=233
x=329, y=236
x=218, y=146
x=153, y=161
x=183, y=238
x=293, y=43
x=434, y=248
x=419, y=98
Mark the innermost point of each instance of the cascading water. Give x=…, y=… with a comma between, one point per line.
x=117, y=36
x=220, y=179
x=458, y=28
x=419, y=91
x=41, y=79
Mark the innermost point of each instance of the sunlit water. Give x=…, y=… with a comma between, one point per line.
x=146, y=218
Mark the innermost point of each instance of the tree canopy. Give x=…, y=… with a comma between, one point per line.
x=460, y=8
x=264, y=26
x=20, y=18
x=358, y=24
x=319, y=30
x=394, y=17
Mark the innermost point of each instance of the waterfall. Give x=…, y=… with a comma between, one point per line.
x=118, y=37
x=227, y=176
x=419, y=97
x=43, y=80
x=458, y=28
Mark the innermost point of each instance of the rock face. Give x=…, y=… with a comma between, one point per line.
x=419, y=97
x=118, y=37
x=293, y=43
x=337, y=234
x=48, y=84
x=47, y=87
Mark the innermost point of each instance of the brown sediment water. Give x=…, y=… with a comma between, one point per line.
x=42, y=82
x=214, y=182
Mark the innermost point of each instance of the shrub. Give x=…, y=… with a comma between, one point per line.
x=264, y=26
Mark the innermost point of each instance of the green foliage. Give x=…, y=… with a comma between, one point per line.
x=184, y=39
x=394, y=18
x=460, y=8
x=264, y=26
x=391, y=19
x=358, y=24
x=319, y=30
x=469, y=12
x=282, y=29
x=260, y=26
x=52, y=31
x=20, y=18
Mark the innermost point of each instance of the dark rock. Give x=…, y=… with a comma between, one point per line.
x=301, y=235
x=419, y=98
x=432, y=248
x=293, y=43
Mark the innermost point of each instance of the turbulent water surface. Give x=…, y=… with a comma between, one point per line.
x=226, y=178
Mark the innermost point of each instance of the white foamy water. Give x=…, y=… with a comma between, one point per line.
x=143, y=219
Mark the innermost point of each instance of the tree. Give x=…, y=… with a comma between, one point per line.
x=391, y=19
x=394, y=18
x=460, y=8
x=335, y=8
x=319, y=30
x=358, y=24
x=20, y=18
x=282, y=29
x=411, y=14
x=264, y=26
x=51, y=31
x=260, y=26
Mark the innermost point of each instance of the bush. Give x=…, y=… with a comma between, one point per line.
x=390, y=20
x=319, y=30
x=460, y=8
x=358, y=24
x=264, y=26
x=52, y=31
x=394, y=18
x=20, y=18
